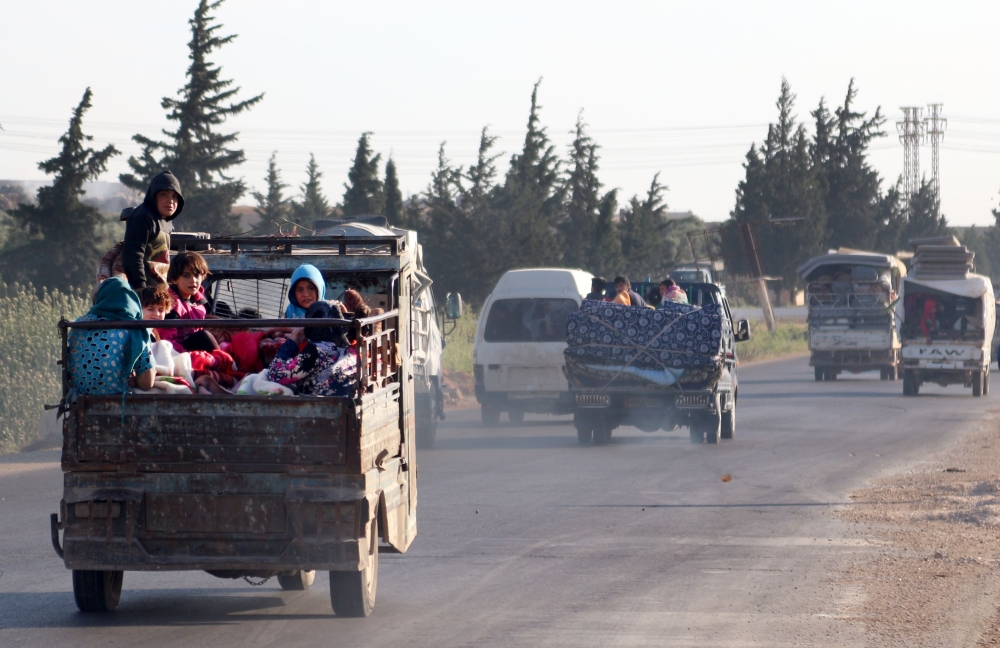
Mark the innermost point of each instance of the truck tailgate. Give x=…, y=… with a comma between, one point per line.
x=206, y=433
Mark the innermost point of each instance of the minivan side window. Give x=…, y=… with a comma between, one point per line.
x=528, y=320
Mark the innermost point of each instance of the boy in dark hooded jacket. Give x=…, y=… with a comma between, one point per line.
x=148, y=228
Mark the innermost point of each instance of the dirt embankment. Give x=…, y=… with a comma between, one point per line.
x=935, y=580
x=459, y=390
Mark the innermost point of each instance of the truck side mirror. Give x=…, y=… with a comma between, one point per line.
x=453, y=306
x=742, y=331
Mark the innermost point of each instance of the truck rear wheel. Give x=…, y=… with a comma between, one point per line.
x=515, y=416
x=819, y=373
x=977, y=383
x=491, y=415
x=297, y=581
x=584, y=435
x=97, y=591
x=986, y=382
x=352, y=594
x=910, y=385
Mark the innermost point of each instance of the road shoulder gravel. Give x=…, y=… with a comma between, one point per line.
x=933, y=578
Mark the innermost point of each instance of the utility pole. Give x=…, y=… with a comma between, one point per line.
x=765, y=299
x=911, y=132
x=935, y=125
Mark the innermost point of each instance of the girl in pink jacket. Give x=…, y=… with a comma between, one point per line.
x=187, y=271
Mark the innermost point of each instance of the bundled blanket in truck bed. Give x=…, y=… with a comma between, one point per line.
x=636, y=346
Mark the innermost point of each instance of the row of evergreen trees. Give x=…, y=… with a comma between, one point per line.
x=804, y=195
x=474, y=225
x=801, y=194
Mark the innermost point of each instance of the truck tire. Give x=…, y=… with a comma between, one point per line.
x=819, y=373
x=352, y=594
x=97, y=591
x=729, y=423
x=584, y=435
x=910, y=386
x=977, y=383
x=986, y=382
x=883, y=374
x=491, y=415
x=602, y=433
x=297, y=581
x=515, y=416
x=426, y=410
x=830, y=374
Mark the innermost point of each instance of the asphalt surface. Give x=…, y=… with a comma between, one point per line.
x=527, y=539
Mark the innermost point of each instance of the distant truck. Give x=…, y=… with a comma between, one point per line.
x=946, y=328
x=518, y=351
x=655, y=369
x=851, y=322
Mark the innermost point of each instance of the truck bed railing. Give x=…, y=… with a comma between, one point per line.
x=378, y=361
x=336, y=245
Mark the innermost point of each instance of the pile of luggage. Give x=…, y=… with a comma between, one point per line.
x=627, y=345
x=940, y=258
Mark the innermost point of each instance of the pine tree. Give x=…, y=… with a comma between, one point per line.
x=582, y=188
x=364, y=192
x=850, y=188
x=195, y=152
x=393, y=196
x=891, y=221
x=643, y=226
x=314, y=204
x=272, y=207
x=530, y=199
x=64, y=244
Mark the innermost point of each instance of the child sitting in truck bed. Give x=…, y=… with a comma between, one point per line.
x=156, y=303
x=187, y=270
x=319, y=361
x=107, y=361
x=308, y=287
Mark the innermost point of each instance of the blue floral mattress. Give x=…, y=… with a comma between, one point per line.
x=636, y=346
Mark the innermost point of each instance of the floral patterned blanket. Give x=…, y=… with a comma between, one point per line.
x=629, y=345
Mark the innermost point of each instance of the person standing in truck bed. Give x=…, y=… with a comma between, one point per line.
x=146, y=248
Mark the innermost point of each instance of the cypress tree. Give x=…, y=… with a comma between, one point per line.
x=64, y=245
x=850, y=188
x=272, y=207
x=364, y=192
x=606, y=255
x=582, y=189
x=780, y=184
x=314, y=204
x=195, y=152
x=643, y=226
x=924, y=218
x=530, y=199
x=393, y=196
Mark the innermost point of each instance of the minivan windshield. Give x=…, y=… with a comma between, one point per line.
x=529, y=320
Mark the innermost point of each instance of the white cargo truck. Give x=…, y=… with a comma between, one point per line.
x=852, y=326
x=946, y=328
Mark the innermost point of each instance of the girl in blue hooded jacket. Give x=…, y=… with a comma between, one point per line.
x=308, y=287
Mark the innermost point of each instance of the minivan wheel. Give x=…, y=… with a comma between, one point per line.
x=729, y=423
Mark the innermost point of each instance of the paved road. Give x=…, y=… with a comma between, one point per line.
x=527, y=539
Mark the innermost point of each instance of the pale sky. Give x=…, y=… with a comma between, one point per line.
x=682, y=88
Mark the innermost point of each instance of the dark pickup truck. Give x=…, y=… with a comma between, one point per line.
x=253, y=486
x=655, y=370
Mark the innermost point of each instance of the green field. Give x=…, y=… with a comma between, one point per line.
x=790, y=338
x=29, y=351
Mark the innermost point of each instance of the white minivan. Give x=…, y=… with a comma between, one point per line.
x=518, y=354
